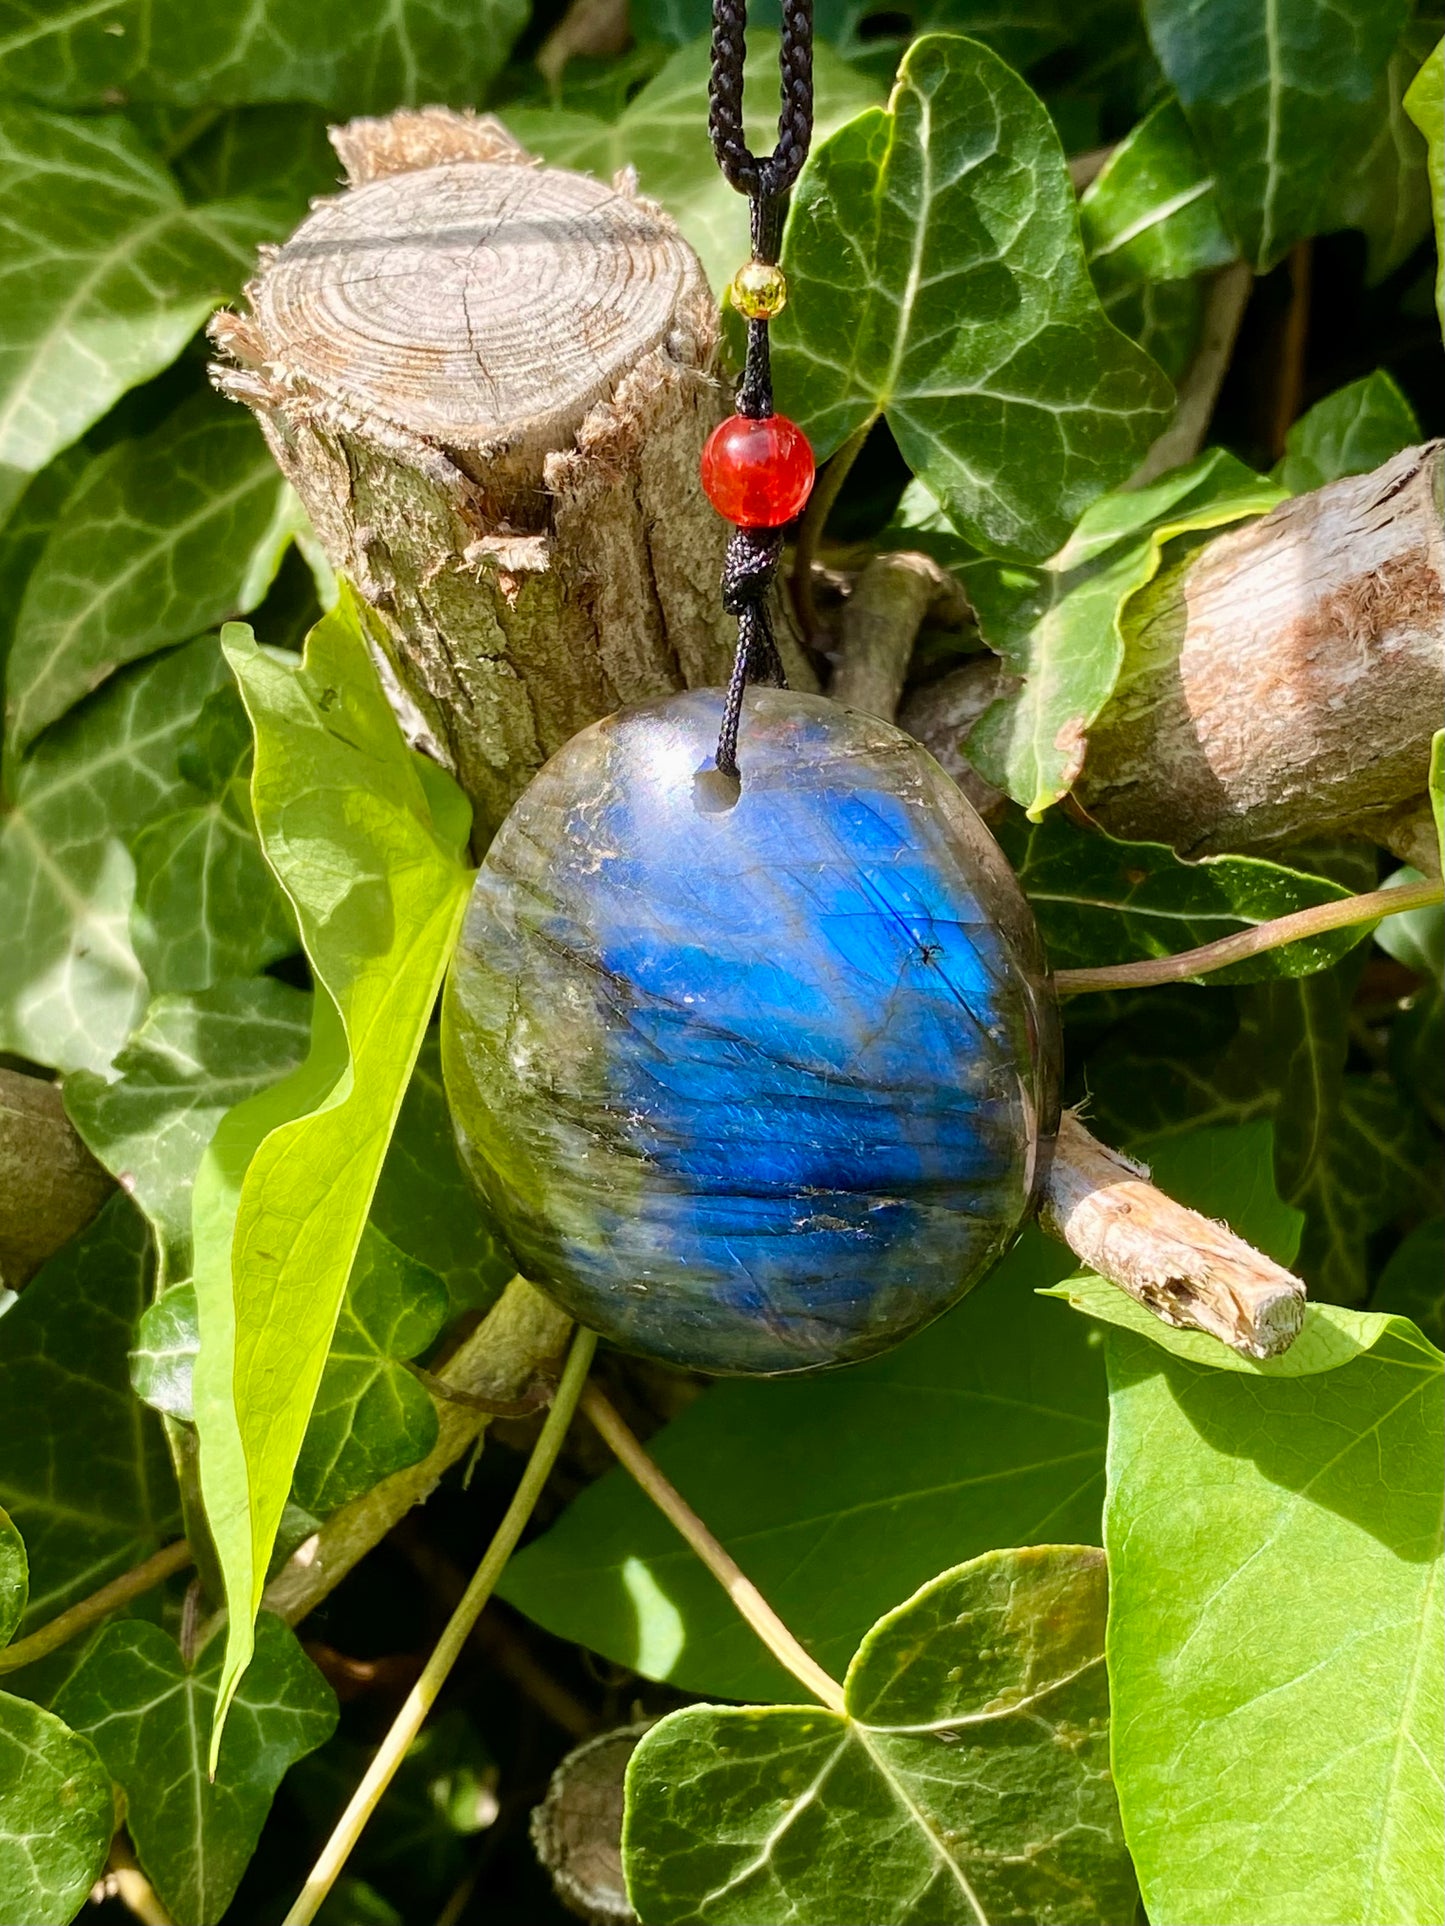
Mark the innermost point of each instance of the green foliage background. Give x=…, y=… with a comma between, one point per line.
x=228, y=892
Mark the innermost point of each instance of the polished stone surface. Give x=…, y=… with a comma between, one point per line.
x=757, y=1088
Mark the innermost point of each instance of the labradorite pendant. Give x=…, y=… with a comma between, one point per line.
x=752, y=1088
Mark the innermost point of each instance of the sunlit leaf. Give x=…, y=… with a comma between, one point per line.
x=83, y=1468
x=149, y=1715
x=190, y=1061
x=56, y=1816
x=71, y=987
x=938, y=280
x=968, y=1779
x=105, y=272
x=1060, y=626
x=14, y=1577
x=1152, y=212
x=1277, y=93
x=161, y=538
x=1425, y=104
x=837, y=1494
x=1386, y=193
x=369, y=845
x=351, y=59
x=662, y=132
x=1274, y=1572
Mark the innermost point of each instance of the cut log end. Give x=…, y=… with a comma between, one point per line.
x=1189, y=1271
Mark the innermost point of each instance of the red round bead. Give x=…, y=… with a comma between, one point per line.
x=757, y=473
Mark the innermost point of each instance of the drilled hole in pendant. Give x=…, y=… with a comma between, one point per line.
x=715, y=792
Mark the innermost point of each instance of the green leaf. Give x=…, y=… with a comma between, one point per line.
x=1348, y=433
x=836, y=1494
x=663, y=134
x=937, y=279
x=1020, y=31
x=425, y=1205
x=967, y=1781
x=105, y=273
x=148, y=1714
x=369, y=844
x=1166, y=318
x=1152, y=212
x=1412, y=1284
x=190, y=1061
x=276, y=155
x=1437, y=787
x=350, y=59
x=1416, y=939
x=56, y=1816
x=14, y=1578
x=206, y=905
x=1059, y=626
x=1277, y=93
x=83, y=1469
x=1099, y=901
x=24, y=535
x=1274, y=1655
x=372, y=1417
x=71, y=987
x=161, y=538
x=1386, y=193
x=1425, y=104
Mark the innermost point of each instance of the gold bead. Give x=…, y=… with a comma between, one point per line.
x=759, y=291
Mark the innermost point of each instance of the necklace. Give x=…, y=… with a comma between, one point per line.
x=748, y=1039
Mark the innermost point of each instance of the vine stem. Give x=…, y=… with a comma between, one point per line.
x=89, y=1611
x=1371, y=907
x=423, y=1695
x=740, y=1589
x=810, y=530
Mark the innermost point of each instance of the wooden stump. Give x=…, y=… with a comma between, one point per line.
x=489, y=383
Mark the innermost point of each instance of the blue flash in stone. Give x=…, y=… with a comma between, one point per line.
x=754, y=1085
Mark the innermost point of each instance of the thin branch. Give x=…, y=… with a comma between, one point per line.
x=124, y=1880
x=739, y=1588
x=810, y=530
x=90, y=1611
x=1371, y=907
x=424, y=1694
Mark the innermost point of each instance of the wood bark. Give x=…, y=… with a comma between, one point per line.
x=1282, y=682
x=489, y=382
x=1187, y=1270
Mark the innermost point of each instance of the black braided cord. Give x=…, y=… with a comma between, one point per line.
x=753, y=553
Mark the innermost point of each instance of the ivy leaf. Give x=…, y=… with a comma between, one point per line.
x=1348, y=433
x=161, y=538
x=83, y=1470
x=1274, y=1573
x=190, y=1061
x=277, y=155
x=1276, y=92
x=206, y=905
x=1019, y=34
x=993, y=1429
x=105, y=272
x=967, y=1780
x=38, y=501
x=71, y=987
x=148, y=1713
x=1386, y=193
x=14, y=1577
x=425, y=1205
x=369, y=844
x=57, y=1816
x=1152, y=213
x=371, y=1416
x=1425, y=104
x=662, y=132
x=1060, y=626
x=938, y=280
x=352, y=60
x=1099, y=901
x=1412, y=1284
